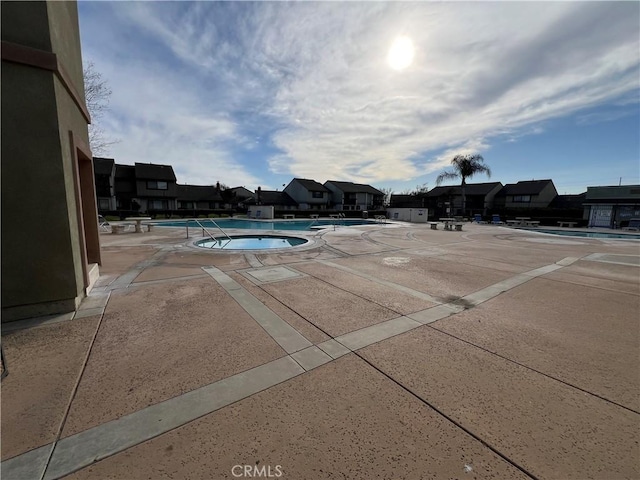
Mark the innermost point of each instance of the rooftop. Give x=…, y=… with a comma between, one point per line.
x=271, y=197
x=310, y=185
x=153, y=171
x=350, y=187
x=103, y=166
x=198, y=193
x=527, y=187
x=470, y=189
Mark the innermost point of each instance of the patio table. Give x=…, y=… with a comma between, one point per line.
x=138, y=221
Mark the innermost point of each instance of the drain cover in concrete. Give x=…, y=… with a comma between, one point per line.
x=271, y=274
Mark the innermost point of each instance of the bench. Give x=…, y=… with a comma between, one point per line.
x=117, y=229
x=434, y=225
x=458, y=226
x=314, y=216
x=568, y=224
x=532, y=223
x=149, y=227
x=288, y=216
x=634, y=224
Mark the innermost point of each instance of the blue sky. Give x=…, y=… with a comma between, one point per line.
x=257, y=93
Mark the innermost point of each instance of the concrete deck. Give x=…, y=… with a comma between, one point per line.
x=385, y=351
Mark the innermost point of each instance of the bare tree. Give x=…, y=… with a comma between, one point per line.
x=419, y=190
x=387, y=196
x=97, y=94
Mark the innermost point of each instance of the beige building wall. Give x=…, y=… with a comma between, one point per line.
x=48, y=199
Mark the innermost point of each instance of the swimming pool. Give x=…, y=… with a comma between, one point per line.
x=226, y=223
x=250, y=242
x=579, y=233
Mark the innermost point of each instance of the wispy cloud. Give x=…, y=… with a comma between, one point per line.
x=312, y=79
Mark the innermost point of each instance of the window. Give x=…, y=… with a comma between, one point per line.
x=521, y=198
x=185, y=205
x=157, y=185
x=103, y=204
x=158, y=205
x=317, y=194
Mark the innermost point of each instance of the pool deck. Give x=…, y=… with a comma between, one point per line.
x=384, y=351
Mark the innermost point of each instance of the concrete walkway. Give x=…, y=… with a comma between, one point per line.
x=386, y=351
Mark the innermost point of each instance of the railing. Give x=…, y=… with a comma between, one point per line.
x=204, y=229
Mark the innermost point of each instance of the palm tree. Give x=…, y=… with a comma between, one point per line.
x=464, y=166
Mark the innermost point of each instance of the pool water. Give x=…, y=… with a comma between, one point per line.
x=250, y=242
x=573, y=233
x=262, y=225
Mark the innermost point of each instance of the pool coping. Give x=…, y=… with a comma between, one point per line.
x=313, y=241
x=566, y=233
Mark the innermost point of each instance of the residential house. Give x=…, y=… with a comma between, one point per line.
x=526, y=194
x=408, y=201
x=125, y=187
x=447, y=200
x=612, y=207
x=237, y=196
x=155, y=187
x=104, y=170
x=308, y=194
x=568, y=202
x=278, y=200
x=241, y=193
x=354, y=196
x=198, y=197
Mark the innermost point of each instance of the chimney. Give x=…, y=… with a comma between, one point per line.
x=217, y=186
x=258, y=196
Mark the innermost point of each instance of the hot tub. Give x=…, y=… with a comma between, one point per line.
x=251, y=242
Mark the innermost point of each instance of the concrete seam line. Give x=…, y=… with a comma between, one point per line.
x=166, y=280
x=379, y=332
x=74, y=391
x=285, y=335
x=85, y=448
x=396, y=286
x=496, y=354
x=350, y=292
x=124, y=280
x=448, y=418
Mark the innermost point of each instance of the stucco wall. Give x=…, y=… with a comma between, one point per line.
x=414, y=215
x=260, y=211
x=17, y=15
x=36, y=249
x=65, y=42
x=42, y=267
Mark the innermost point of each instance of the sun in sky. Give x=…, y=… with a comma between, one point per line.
x=401, y=53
